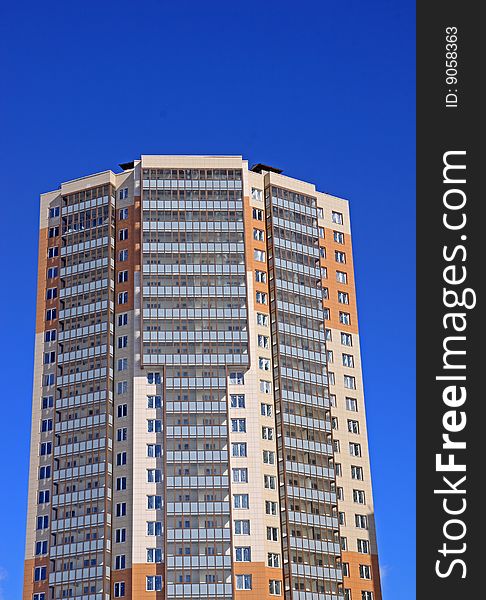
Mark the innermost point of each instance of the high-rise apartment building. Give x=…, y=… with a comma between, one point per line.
x=198, y=425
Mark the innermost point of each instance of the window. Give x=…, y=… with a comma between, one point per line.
x=259, y=255
x=363, y=546
x=275, y=587
x=266, y=410
x=121, y=483
x=343, y=297
x=349, y=382
x=39, y=596
x=238, y=425
x=332, y=400
x=154, y=401
x=326, y=313
x=241, y=501
x=46, y=425
x=51, y=293
x=334, y=423
x=354, y=449
x=265, y=386
x=123, y=298
x=154, y=425
x=328, y=334
x=338, y=237
x=122, y=276
x=122, y=364
x=331, y=378
x=264, y=363
x=353, y=426
x=361, y=521
x=339, y=470
x=45, y=472
x=237, y=401
x=52, y=272
x=121, y=459
x=41, y=548
x=262, y=319
x=330, y=356
x=240, y=475
x=154, y=475
x=359, y=497
x=270, y=507
x=123, y=214
x=340, y=257
x=154, y=583
x=119, y=589
x=272, y=534
x=337, y=446
x=122, y=195
x=49, y=358
x=154, y=450
x=340, y=493
x=54, y=212
x=40, y=573
x=347, y=594
x=270, y=482
x=43, y=522
x=337, y=217
x=257, y=214
x=243, y=554
x=122, y=410
x=344, y=543
x=123, y=235
x=256, y=194
x=123, y=341
x=44, y=496
x=154, y=502
x=351, y=404
x=122, y=319
x=53, y=232
x=267, y=433
x=258, y=234
x=273, y=560
x=346, y=339
x=52, y=252
x=268, y=457
x=348, y=360
x=122, y=387
x=242, y=527
x=154, y=378
x=322, y=233
x=236, y=378
x=121, y=509
x=121, y=434
x=51, y=314
x=123, y=255
x=366, y=595
x=365, y=571
x=239, y=449
x=49, y=379
x=120, y=561
x=260, y=276
x=261, y=297
x=243, y=582
x=154, y=555
x=154, y=528
x=322, y=253
x=341, y=277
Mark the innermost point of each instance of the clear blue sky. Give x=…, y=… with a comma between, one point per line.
x=324, y=90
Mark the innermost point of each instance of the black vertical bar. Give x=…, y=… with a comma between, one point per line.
x=450, y=125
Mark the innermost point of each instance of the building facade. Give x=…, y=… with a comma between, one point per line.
x=198, y=418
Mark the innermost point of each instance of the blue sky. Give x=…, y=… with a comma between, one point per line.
x=325, y=92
